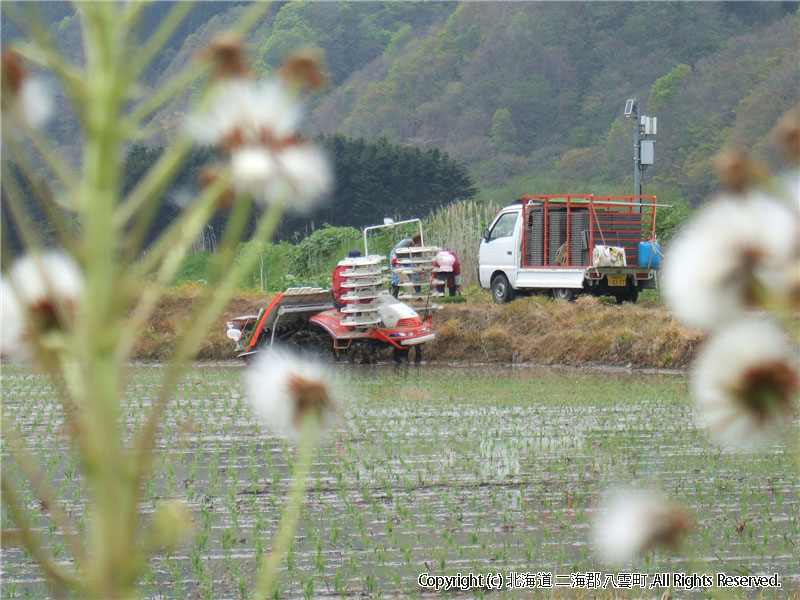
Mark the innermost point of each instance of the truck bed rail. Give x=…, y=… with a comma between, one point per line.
x=561, y=230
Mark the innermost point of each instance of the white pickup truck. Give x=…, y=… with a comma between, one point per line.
x=542, y=244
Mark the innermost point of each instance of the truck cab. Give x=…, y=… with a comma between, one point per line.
x=556, y=244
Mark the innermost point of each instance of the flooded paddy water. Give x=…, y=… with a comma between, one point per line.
x=444, y=469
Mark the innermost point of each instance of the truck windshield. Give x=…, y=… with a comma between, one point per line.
x=504, y=226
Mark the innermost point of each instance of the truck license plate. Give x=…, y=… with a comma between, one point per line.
x=617, y=280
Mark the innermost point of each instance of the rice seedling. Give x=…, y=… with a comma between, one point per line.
x=505, y=476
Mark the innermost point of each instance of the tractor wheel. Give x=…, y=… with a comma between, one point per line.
x=313, y=342
x=400, y=355
x=502, y=292
x=362, y=353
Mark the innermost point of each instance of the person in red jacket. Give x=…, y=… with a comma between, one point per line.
x=338, y=279
x=449, y=272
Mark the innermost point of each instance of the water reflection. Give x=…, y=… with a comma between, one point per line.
x=500, y=371
x=499, y=457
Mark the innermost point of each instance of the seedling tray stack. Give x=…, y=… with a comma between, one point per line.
x=414, y=268
x=364, y=280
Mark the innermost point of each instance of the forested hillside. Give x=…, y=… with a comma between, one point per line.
x=373, y=180
x=528, y=96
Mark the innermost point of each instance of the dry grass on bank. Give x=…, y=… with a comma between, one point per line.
x=544, y=331
x=157, y=341
x=537, y=330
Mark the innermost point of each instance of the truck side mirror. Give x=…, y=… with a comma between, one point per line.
x=485, y=234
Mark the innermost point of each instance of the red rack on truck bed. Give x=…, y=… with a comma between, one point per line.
x=581, y=222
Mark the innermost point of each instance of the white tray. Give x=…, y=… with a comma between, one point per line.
x=360, y=321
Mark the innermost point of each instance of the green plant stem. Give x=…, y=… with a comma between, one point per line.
x=107, y=476
x=268, y=574
x=251, y=16
x=143, y=199
x=31, y=240
x=238, y=219
x=132, y=14
x=49, y=154
x=164, y=94
x=25, y=165
x=46, y=54
x=165, y=29
x=189, y=227
x=197, y=324
x=778, y=307
x=43, y=490
x=59, y=578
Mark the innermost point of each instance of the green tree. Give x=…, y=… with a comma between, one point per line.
x=504, y=132
x=665, y=88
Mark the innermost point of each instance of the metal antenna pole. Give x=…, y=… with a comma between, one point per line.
x=642, y=157
x=637, y=150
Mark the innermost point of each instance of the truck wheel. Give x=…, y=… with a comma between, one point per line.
x=630, y=295
x=564, y=294
x=501, y=289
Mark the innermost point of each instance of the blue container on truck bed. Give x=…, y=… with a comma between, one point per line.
x=650, y=254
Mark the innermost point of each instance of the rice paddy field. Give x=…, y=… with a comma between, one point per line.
x=441, y=470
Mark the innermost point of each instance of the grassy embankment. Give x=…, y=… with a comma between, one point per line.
x=538, y=330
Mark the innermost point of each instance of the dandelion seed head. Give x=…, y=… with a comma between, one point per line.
x=789, y=185
x=787, y=134
x=36, y=100
x=283, y=388
x=256, y=125
x=309, y=396
x=305, y=177
x=14, y=73
x=746, y=380
x=733, y=245
x=47, y=280
x=252, y=166
x=40, y=291
x=247, y=112
x=304, y=68
x=634, y=522
x=226, y=51
x=737, y=171
x=12, y=322
x=31, y=97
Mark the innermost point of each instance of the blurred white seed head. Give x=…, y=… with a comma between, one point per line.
x=256, y=123
x=746, y=380
x=733, y=245
x=28, y=97
x=789, y=188
x=12, y=323
x=283, y=389
x=247, y=112
x=633, y=522
x=41, y=292
x=305, y=177
x=252, y=167
x=35, y=101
